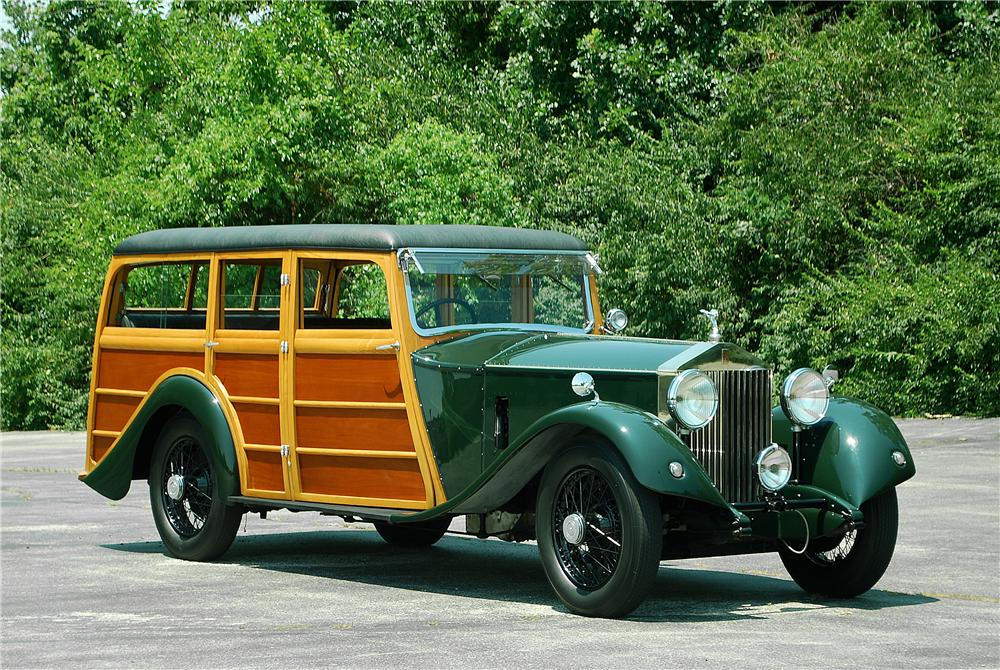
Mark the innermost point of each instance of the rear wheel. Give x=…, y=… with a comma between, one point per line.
x=190, y=511
x=413, y=535
x=599, y=531
x=852, y=565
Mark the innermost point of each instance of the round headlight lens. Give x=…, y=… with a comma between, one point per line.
x=805, y=397
x=774, y=467
x=692, y=399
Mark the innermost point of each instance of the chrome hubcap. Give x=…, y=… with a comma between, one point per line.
x=175, y=487
x=573, y=528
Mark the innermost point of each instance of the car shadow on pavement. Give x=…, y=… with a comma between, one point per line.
x=494, y=570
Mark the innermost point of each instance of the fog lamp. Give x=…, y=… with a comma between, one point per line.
x=774, y=467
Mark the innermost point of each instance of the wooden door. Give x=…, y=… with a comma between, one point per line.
x=352, y=437
x=248, y=362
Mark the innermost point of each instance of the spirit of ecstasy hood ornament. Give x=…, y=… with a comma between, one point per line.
x=713, y=316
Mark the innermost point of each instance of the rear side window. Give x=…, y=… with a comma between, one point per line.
x=251, y=294
x=165, y=295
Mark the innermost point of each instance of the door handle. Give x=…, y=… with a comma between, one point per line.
x=211, y=344
x=388, y=347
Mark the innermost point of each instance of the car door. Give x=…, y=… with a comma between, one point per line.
x=352, y=439
x=247, y=338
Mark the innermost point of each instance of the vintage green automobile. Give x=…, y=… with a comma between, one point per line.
x=408, y=375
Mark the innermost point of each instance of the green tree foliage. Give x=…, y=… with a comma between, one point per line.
x=824, y=174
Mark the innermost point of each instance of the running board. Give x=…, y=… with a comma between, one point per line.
x=366, y=513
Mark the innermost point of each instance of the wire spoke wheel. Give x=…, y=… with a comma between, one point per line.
x=187, y=487
x=838, y=553
x=599, y=531
x=187, y=497
x=587, y=529
x=849, y=565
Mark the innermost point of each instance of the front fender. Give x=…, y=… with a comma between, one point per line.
x=849, y=452
x=647, y=445
x=113, y=475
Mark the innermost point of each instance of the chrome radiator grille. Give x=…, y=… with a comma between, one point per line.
x=727, y=446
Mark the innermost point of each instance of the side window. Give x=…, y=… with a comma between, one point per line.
x=251, y=294
x=352, y=296
x=163, y=295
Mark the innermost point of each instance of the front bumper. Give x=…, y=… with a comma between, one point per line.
x=797, y=512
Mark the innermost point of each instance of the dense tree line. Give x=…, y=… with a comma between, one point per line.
x=826, y=174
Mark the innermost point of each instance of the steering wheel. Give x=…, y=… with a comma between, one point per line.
x=444, y=301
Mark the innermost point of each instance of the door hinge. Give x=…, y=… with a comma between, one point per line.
x=285, y=279
x=284, y=346
x=284, y=454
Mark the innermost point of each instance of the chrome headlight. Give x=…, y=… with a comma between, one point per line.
x=774, y=467
x=692, y=399
x=805, y=397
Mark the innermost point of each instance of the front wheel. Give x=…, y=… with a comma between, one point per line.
x=853, y=565
x=599, y=531
x=190, y=511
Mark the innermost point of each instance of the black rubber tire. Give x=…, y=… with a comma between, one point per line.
x=862, y=566
x=222, y=521
x=413, y=535
x=641, y=532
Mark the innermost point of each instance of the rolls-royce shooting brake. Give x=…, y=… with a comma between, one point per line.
x=408, y=375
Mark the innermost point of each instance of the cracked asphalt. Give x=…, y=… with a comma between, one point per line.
x=85, y=583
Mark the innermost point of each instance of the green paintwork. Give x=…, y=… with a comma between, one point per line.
x=588, y=352
x=646, y=443
x=849, y=452
x=362, y=237
x=113, y=475
x=847, y=456
x=709, y=354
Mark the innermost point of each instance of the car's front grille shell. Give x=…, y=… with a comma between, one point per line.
x=728, y=445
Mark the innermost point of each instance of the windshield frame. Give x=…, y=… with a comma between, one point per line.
x=406, y=255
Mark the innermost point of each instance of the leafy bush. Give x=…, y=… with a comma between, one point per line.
x=824, y=174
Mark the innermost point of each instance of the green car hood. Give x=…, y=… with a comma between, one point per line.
x=526, y=350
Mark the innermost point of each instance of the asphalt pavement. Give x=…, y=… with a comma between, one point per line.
x=86, y=583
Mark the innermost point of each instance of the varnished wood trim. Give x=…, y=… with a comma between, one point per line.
x=105, y=433
x=249, y=446
x=359, y=501
x=343, y=342
x=159, y=341
x=351, y=404
x=361, y=453
x=120, y=392
x=253, y=400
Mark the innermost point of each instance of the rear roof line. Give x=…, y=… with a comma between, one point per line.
x=344, y=236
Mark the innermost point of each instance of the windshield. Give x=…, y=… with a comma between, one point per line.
x=455, y=290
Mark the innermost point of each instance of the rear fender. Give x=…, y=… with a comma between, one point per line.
x=112, y=477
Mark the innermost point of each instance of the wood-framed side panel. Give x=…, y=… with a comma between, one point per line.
x=247, y=367
x=352, y=429
x=127, y=362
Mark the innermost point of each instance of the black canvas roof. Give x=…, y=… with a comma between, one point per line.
x=344, y=236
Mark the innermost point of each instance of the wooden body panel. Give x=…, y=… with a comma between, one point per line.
x=137, y=370
x=350, y=377
x=348, y=413
x=354, y=477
